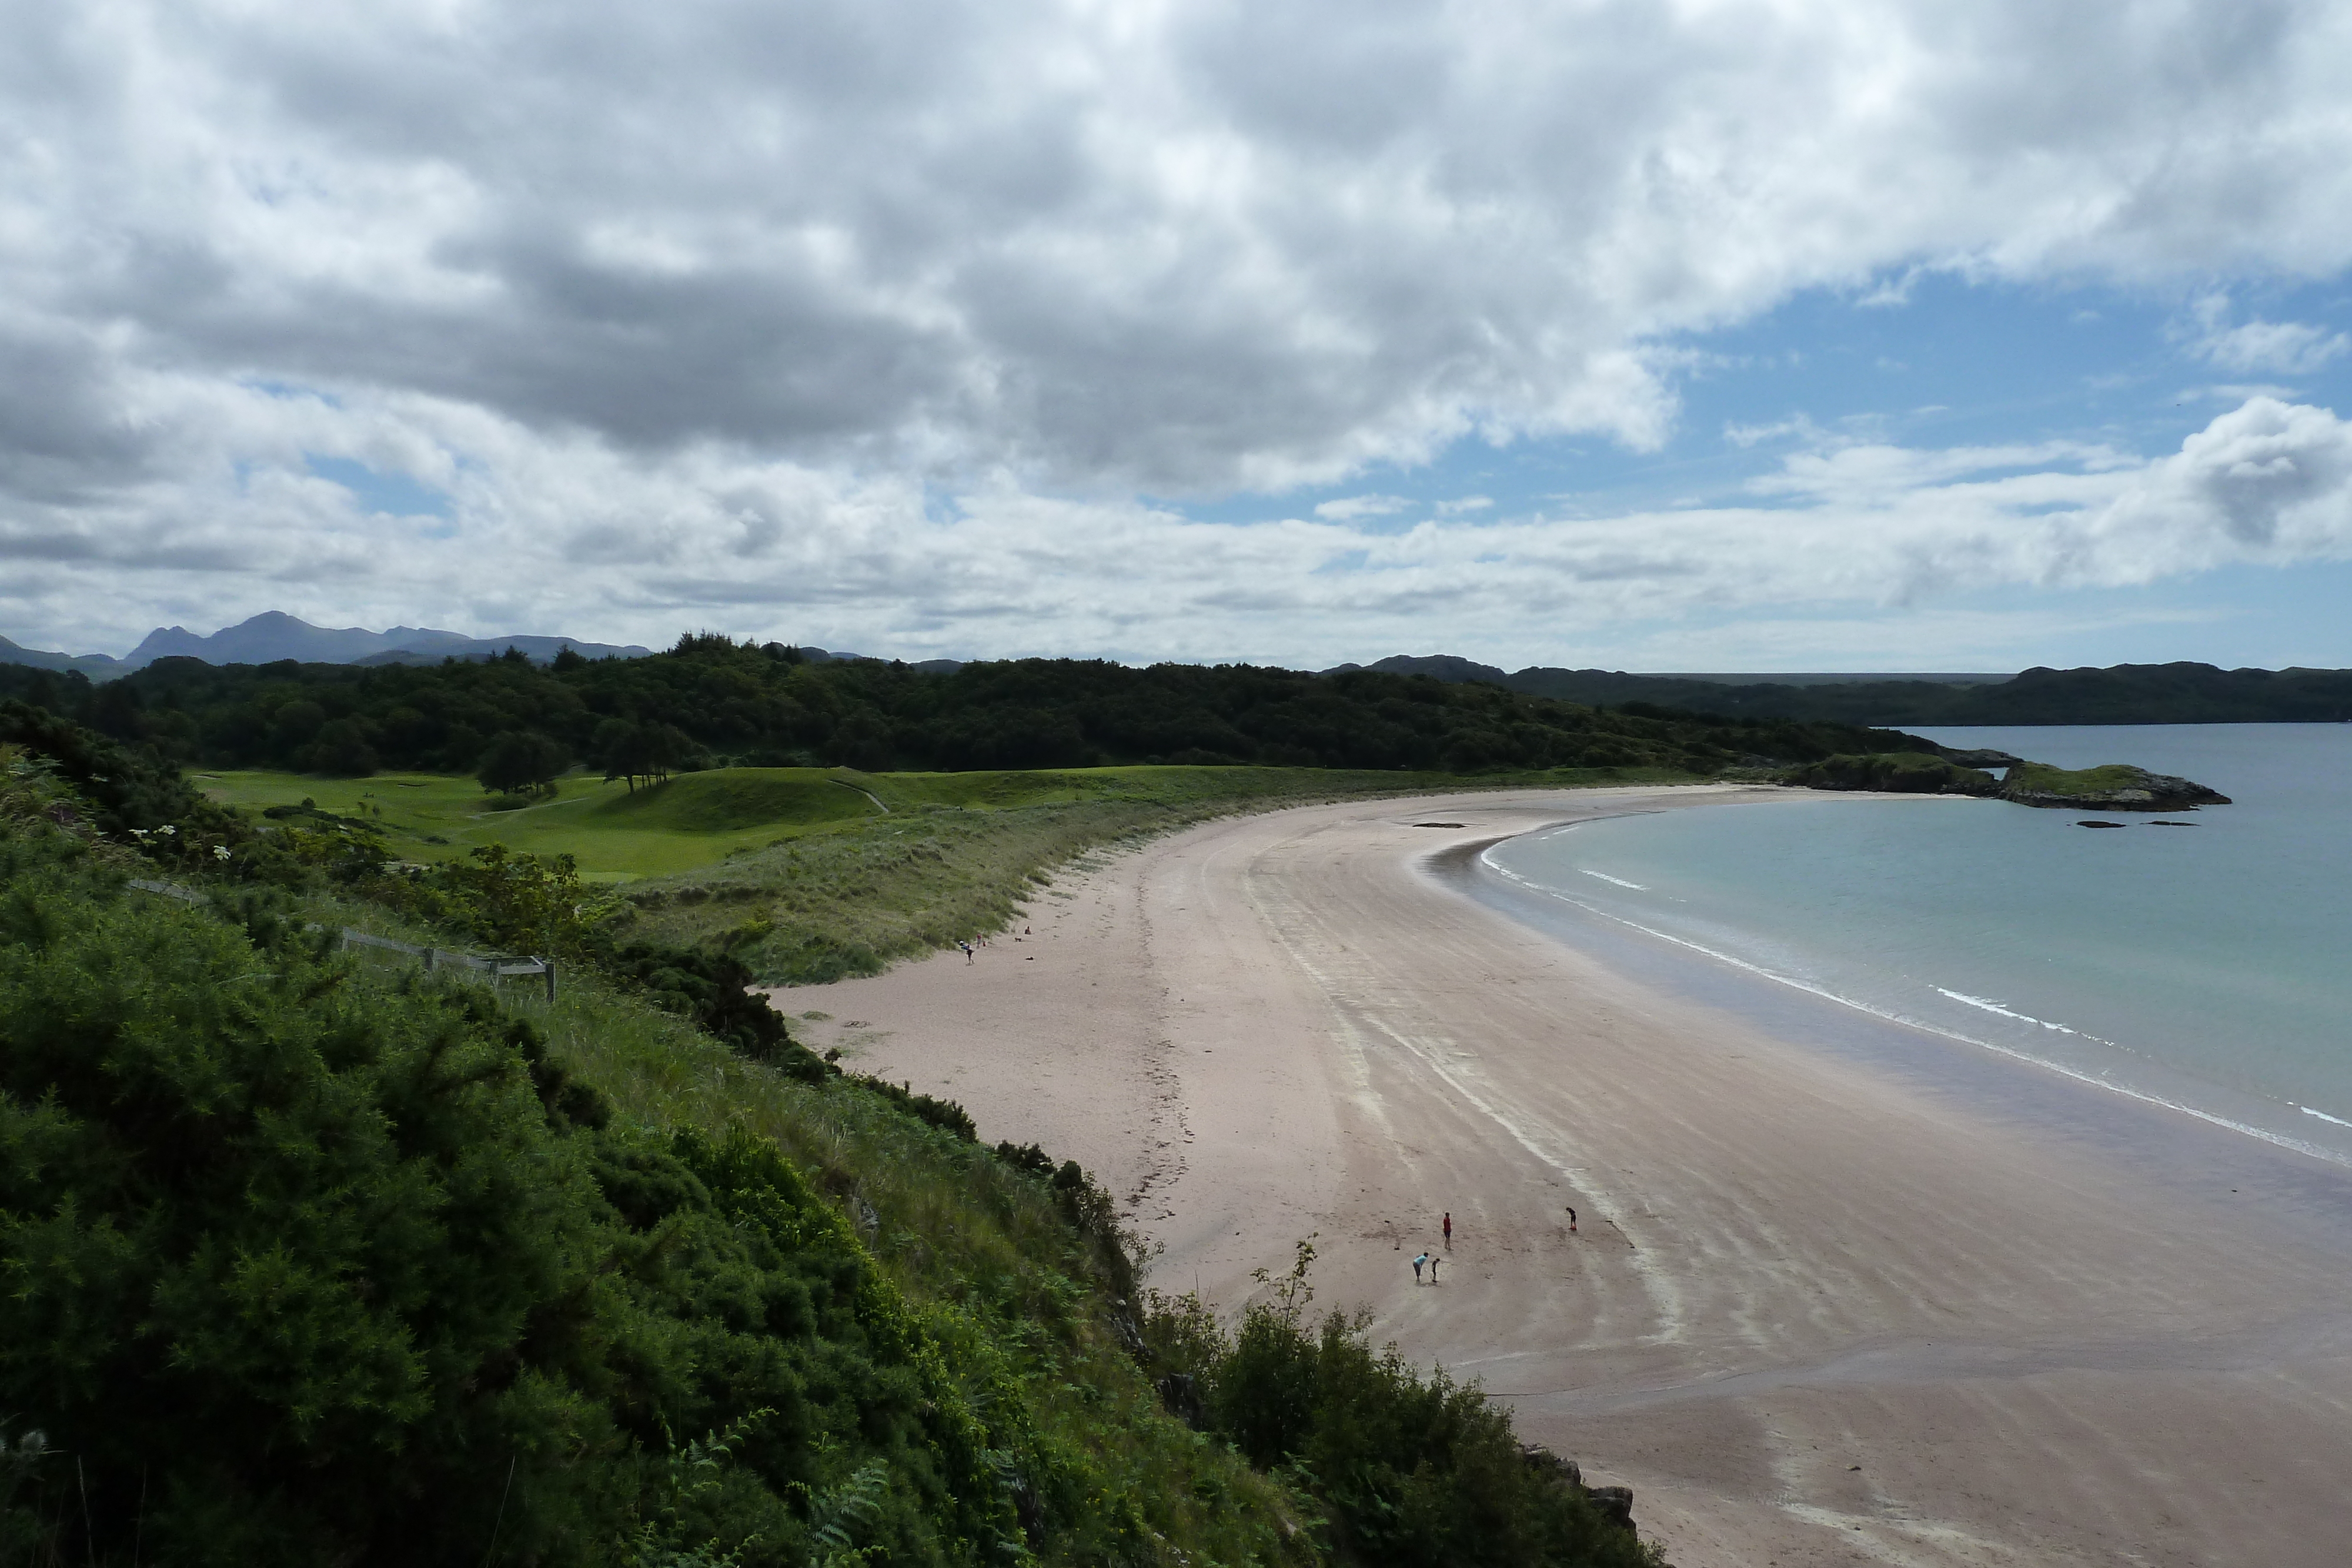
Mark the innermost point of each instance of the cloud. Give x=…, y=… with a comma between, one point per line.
x=2276, y=348
x=1349, y=508
x=870, y=320
x=2282, y=348
x=544, y=537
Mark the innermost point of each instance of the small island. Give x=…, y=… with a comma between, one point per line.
x=2112, y=787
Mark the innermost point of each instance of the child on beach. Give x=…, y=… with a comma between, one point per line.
x=1433, y=1262
x=1571, y=1217
x=1416, y=1266
x=1449, y=1230
x=967, y=949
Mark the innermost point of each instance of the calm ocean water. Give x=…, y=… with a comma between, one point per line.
x=2207, y=967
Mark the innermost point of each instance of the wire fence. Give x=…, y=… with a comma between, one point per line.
x=504, y=967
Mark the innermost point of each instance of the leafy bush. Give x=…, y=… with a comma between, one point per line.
x=1412, y=1471
x=124, y=791
x=328, y=1270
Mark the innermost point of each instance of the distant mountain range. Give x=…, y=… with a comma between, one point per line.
x=275, y=635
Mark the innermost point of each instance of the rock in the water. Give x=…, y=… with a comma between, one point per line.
x=2098, y=824
x=2116, y=787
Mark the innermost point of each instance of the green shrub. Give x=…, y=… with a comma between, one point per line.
x=1412, y=1472
x=302, y=1266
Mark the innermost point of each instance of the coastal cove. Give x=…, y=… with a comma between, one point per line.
x=1844, y=1291
x=2200, y=967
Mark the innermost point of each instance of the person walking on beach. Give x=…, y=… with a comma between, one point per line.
x=967, y=949
x=1449, y=1230
x=1571, y=1217
x=1417, y=1263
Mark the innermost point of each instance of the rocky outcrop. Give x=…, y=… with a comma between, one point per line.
x=1983, y=757
x=2117, y=787
x=1614, y=1504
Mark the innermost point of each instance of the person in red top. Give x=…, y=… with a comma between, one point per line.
x=1449, y=1230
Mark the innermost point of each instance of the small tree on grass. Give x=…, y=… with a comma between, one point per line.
x=522, y=762
x=646, y=751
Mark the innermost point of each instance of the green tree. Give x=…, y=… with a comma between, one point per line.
x=522, y=762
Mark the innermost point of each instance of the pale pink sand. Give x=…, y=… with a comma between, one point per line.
x=1815, y=1314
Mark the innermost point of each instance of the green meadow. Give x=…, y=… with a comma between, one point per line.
x=808, y=874
x=615, y=834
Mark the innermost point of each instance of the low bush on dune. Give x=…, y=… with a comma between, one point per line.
x=301, y=1267
x=1412, y=1471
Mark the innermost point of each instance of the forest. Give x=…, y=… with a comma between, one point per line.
x=710, y=701
x=2181, y=693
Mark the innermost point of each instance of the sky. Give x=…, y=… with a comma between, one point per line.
x=1721, y=334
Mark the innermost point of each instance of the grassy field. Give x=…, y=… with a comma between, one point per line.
x=615, y=834
x=809, y=875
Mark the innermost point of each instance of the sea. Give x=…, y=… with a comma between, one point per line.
x=2206, y=967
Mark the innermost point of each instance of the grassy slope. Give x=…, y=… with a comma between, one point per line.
x=616, y=836
x=800, y=874
x=962, y=1235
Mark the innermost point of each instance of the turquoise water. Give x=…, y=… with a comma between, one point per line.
x=2204, y=966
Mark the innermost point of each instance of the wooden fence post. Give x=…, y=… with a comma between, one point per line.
x=550, y=980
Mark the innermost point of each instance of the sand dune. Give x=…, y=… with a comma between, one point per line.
x=1821, y=1307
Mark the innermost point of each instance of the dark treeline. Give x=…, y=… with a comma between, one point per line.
x=713, y=701
x=2123, y=694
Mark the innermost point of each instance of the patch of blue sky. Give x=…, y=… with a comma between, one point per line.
x=392, y=494
x=1931, y=360
x=2234, y=617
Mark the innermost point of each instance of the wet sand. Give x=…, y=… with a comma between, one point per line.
x=1840, y=1292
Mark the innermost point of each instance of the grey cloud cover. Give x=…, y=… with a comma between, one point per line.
x=878, y=317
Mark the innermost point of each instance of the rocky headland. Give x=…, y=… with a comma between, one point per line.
x=2114, y=787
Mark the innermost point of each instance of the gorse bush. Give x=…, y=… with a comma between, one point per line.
x=302, y=1267
x=1412, y=1472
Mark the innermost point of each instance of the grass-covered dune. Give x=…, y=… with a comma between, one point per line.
x=806, y=875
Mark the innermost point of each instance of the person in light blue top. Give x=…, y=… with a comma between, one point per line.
x=1417, y=1263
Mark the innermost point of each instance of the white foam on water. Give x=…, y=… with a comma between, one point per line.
x=1620, y=881
x=2323, y=1116
x=2079, y=1076
x=1993, y=1006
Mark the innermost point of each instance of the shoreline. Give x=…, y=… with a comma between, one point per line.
x=2029, y=1319
x=2270, y=1114
x=1588, y=928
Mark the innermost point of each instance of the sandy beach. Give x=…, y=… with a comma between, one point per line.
x=1835, y=1296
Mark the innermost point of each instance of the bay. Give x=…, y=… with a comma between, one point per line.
x=2205, y=967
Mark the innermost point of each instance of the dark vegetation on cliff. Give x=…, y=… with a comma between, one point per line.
x=307, y=1258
